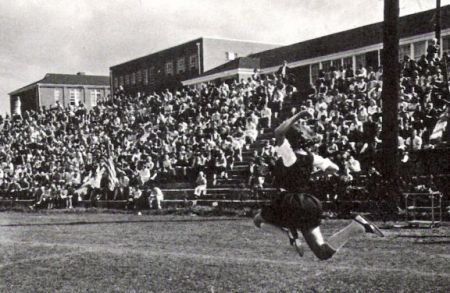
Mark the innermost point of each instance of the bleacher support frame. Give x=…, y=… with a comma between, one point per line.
x=411, y=210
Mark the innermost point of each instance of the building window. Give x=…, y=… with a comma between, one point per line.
x=181, y=67
x=315, y=72
x=139, y=76
x=337, y=63
x=446, y=45
x=326, y=66
x=193, y=62
x=348, y=62
x=169, y=68
x=57, y=95
x=74, y=97
x=127, y=79
x=230, y=56
x=145, y=76
x=151, y=74
x=361, y=60
x=116, y=82
x=405, y=50
x=95, y=96
x=120, y=80
x=419, y=49
x=133, y=78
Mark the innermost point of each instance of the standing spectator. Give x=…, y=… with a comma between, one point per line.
x=284, y=71
x=266, y=118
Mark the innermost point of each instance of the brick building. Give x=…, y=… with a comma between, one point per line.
x=169, y=67
x=360, y=45
x=67, y=89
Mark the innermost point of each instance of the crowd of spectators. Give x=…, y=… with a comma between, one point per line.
x=197, y=134
x=343, y=109
x=170, y=136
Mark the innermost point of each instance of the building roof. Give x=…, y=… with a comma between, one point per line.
x=67, y=79
x=159, y=53
x=409, y=25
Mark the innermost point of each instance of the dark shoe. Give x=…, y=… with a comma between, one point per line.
x=370, y=228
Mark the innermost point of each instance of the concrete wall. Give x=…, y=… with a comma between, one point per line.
x=214, y=50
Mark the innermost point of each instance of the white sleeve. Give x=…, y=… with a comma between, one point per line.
x=322, y=163
x=286, y=153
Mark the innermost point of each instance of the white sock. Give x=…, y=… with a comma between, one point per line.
x=338, y=239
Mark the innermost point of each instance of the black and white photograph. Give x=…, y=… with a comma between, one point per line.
x=224, y=146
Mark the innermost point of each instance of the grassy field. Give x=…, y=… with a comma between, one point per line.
x=59, y=252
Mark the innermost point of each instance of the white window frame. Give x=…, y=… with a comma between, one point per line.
x=327, y=62
x=447, y=38
x=145, y=76
x=151, y=74
x=193, y=61
x=314, y=76
x=95, y=96
x=57, y=94
x=169, y=68
x=402, y=52
x=139, y=76
x=181, y=65
x=74, y=96
x=414, y=49
x=361, y=59
x=345, y=65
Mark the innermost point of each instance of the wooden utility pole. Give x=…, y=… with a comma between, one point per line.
x=444, y=60
x=390, y=90
x=437, y=26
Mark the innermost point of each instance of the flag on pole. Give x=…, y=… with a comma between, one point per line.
x=111, y=173
x=92, y=180
x=439, y=129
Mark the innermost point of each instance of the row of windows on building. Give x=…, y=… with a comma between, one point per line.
x=148, y=75
x=413, y=49
x=75, y=94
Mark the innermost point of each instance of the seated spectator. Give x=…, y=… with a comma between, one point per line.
x=414, y=142
x=221, y=166
x=200, y=182
x=135, y=199
x=156, y=198
x=167, y=168
x=261, y=170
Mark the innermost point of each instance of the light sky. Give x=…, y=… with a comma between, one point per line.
x=67, y=36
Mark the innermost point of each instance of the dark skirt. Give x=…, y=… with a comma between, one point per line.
x=294, y=211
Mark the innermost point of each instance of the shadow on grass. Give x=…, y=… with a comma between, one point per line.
x=423, y=236
x=74, y=223
x=433, y=242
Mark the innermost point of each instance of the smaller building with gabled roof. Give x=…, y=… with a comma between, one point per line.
x=60, y=89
